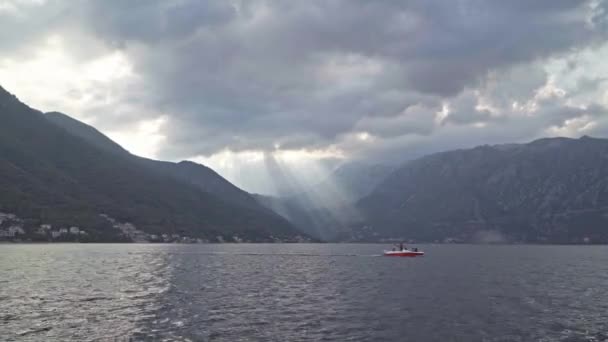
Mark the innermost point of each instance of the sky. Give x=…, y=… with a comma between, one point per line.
x=245, y=85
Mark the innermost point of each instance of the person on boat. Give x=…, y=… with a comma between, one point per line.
x=401, y=247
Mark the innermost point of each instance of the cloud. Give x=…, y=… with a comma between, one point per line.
x=258, y=75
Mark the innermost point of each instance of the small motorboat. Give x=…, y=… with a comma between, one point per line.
x=404, y=253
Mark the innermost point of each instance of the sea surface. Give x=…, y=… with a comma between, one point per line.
x=302, y=292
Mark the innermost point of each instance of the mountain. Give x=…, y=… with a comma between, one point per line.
x=357, y=179
x=50, y=175
x=325, y=209
x=325, y=224
x=549, y=190
x=86, y=132
x=191, y=173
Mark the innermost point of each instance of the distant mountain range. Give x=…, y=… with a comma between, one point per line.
x=550, y=190
x=58, y=171
x=326, y=209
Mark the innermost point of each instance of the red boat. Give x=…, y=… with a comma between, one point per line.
x=404, y=253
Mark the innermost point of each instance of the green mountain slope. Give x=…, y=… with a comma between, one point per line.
x=52, y=176
x=550, y=190
x=188, y=172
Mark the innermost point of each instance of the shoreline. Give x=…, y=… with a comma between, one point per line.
x=299, y=243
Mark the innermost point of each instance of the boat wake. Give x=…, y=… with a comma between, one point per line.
x=279, y=254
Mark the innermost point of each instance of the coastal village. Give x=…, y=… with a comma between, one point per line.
x=16, y=229
x=13, y=228
x=135, y=235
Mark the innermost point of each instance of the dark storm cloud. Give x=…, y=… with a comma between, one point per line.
x=245, y=75
x=22, y=24
x=150, y=21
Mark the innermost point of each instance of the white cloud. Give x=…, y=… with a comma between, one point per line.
x=144, y=139
x=51, y=79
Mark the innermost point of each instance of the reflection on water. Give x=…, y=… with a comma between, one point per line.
x=325, y=292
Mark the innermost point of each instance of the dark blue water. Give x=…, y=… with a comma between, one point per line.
x=325, y=293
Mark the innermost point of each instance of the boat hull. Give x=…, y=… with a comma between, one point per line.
x=403, y=253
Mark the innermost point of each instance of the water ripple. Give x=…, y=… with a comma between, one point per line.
x=302, y=293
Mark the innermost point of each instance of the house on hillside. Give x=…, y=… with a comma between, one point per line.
x=4, y=217
x=44, y=229
x=13, y=231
